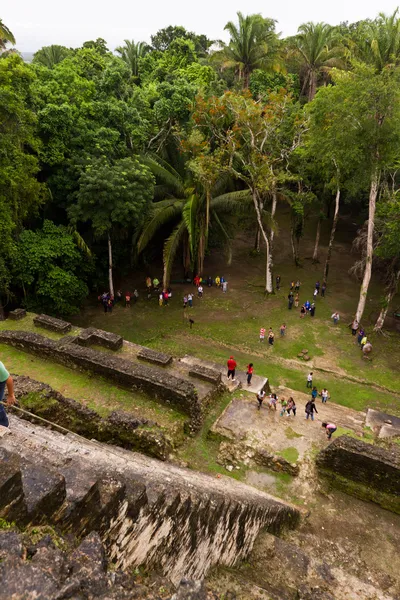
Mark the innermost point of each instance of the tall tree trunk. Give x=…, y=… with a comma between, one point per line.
x=208, y=198
x=258, y=209
x=110, y=267
x=373, y=193
x=257, y=240
x=246, y=78
x=295, y=247
x=316, y=246
x=391, y=290
x=270, y=263
x=332, y=237
x=312, y=86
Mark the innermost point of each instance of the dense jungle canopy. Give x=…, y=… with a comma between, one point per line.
x=112, y=158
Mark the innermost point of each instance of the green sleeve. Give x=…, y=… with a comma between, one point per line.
x=4, y=374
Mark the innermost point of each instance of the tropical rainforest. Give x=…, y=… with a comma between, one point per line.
x=112, y=158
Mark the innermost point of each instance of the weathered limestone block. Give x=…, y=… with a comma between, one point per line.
x=17, y=314
x=206, y=374
x=52, y=324
x=44, y=491
x=12, y=500
x=190, y=590
x=98, y=337
x=154, y=357
x=176, y=520
x=363, y=470
x=10, y=544
x=156, y=382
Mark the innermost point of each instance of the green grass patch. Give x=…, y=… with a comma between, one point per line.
x=290, y=454
x=4, y=524
x=291, y=434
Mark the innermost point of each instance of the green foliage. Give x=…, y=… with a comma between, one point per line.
x=51, y=270
x=49, y=56
x=113, y=194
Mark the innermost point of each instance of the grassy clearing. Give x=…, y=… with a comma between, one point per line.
x=92, y=390
x=27, y=324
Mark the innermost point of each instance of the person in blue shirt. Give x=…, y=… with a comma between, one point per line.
x=307, y=305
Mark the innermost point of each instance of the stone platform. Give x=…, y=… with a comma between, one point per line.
x=257, y=383
x=382, y=424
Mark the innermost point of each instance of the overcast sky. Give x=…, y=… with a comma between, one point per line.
x=37, y=23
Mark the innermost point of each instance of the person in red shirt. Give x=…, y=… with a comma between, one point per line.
x=250, y=370
x=231, y=368
x=196, y=281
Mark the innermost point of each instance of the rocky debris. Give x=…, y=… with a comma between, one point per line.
x=12, y=498
x=210, y=375
x=17, y=314
x=190, y=590
x=154, y=357
x=152, y=380
x=146, y=512
x=41, y=571
x=234, y=453
x=304, y=355
x=363, y=470
x=52, y=324
x=98, y=337
x=382, y=424
x=119, y=428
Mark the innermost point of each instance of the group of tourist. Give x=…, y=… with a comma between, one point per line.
x=271, y=335
x=219, y=282
x=287, y=407
x=294, y=297
x=108, y=301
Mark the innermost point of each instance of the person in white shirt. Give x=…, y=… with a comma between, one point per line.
x=309, y=380
x=335, y=317
x=200, y=291
x=260, y=398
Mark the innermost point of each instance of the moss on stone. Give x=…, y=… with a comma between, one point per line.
x=369, y=494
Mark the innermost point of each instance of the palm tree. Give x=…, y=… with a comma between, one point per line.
x=381, y=47
x=253, y=45
x=131, y=53
x=185, y=207
x=49, y=56
x=5, y=36
x=314, y=46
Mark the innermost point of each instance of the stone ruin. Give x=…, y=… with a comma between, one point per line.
x=176, y=521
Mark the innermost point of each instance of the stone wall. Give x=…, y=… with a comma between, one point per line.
x=363, y=470
x=119, y=428
x=98, y=337
x=152, y=380
x=52, y=324
x=147, y=512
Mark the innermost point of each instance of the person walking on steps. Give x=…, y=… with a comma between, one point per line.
x=231, y=368
x=309, y=379
x=330, y=428
x=291, y=406
x=5, y=380
x=324, y=396
x=250, y=370
x=310, y=409
x=260, y=398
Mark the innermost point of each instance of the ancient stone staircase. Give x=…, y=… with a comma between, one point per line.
x=146, y=512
